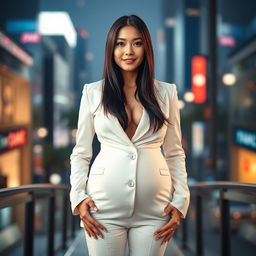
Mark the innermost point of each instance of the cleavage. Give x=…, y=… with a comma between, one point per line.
x=134, y=113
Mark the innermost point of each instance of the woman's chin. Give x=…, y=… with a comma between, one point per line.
x=129, y=69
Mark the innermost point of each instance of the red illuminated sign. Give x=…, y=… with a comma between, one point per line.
x=199, y=79
x=32, y=38
x=14, y=49
x=13, y=139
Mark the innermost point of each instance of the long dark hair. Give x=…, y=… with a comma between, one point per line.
x=113, y=97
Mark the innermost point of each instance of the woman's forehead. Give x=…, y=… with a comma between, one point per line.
x=129, y=32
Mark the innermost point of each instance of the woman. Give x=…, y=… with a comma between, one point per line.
x=135, y=191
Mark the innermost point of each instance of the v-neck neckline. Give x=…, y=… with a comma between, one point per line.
x=137, y=128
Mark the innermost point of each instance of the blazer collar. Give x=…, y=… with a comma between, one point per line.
x=143, y=126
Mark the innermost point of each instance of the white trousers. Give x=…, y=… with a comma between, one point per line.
x=138, y=233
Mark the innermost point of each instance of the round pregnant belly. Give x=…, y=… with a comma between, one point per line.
x=109, y=182
x=154, y=184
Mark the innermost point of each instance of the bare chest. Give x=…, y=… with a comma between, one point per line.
x=134, y=110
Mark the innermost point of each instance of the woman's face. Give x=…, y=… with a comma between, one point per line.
x=129, y=49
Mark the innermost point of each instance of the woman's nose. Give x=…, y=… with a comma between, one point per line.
x=128, y=48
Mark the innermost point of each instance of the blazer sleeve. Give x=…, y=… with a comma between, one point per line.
x=175, y=155
x=82, y=153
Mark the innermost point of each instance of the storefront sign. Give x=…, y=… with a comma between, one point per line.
x=14, y=49
x=30, y=38
x=13, y=139
x=245, y=138
x=17, y=26
x=199, y=79
x=246, y=162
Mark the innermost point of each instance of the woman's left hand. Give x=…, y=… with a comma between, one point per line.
x=169, y=228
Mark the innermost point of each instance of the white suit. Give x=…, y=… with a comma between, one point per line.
x=128, y=172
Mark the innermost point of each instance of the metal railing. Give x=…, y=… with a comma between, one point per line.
x=28, y=194
x=229, y=191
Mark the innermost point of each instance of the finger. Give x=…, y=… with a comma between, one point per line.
x=167, y=239
x=165, y=233
x=96, y=225
x=87, y=229
x=164, y=227
x=91, y=229
x=100, y=225
x=89, y=226
x=92, y=205
x=86, y=216
x=94, y=230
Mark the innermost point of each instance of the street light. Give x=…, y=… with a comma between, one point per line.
x=189, y=96
x=42, y=132
x=229, y=79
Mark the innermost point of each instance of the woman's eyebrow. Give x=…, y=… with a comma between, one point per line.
x=119, y=38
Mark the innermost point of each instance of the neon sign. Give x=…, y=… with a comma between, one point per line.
x=13, y=139
x=199, y=78
x=245, y=138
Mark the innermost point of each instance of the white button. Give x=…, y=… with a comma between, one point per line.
x=132, y=156
x=131, y=183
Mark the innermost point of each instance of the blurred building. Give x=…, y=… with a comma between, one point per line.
x=15, y=131
x=242, y=109
x=15, y=113
x=235, y=29
x=57, y=76
x=82, y=69
x=186, y=35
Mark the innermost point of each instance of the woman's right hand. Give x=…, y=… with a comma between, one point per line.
x=90, y=224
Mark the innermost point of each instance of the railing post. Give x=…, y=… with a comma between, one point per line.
x=29, y=227
x=184, y=233
x=51, y=223
x=199, y=224
x=73, y=226
x=64, y=220
x=225, y=225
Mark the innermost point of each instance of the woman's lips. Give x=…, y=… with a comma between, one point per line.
x=129, y=61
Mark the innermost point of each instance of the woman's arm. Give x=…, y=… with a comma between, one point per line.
x=175, y=156
x=82, y=153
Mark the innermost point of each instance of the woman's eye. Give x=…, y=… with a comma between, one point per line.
x=138, y=43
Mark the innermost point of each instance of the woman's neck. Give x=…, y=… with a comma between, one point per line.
x=129, y=79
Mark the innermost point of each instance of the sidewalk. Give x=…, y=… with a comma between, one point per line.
x=79, y=248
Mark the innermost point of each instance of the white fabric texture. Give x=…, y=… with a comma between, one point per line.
x=137, y=237
x=147, y=171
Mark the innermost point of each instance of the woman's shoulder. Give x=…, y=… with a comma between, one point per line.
x=165, y=88
x=164, y=85
x=93, y=92
x=94, y=86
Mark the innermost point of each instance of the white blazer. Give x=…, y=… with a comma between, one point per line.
x=129, y=174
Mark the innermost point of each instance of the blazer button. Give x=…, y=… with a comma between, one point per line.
x=131, y=183
x=132, y=156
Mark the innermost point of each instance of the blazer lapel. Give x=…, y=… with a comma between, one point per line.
x=142, y=127
x=118, y=129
